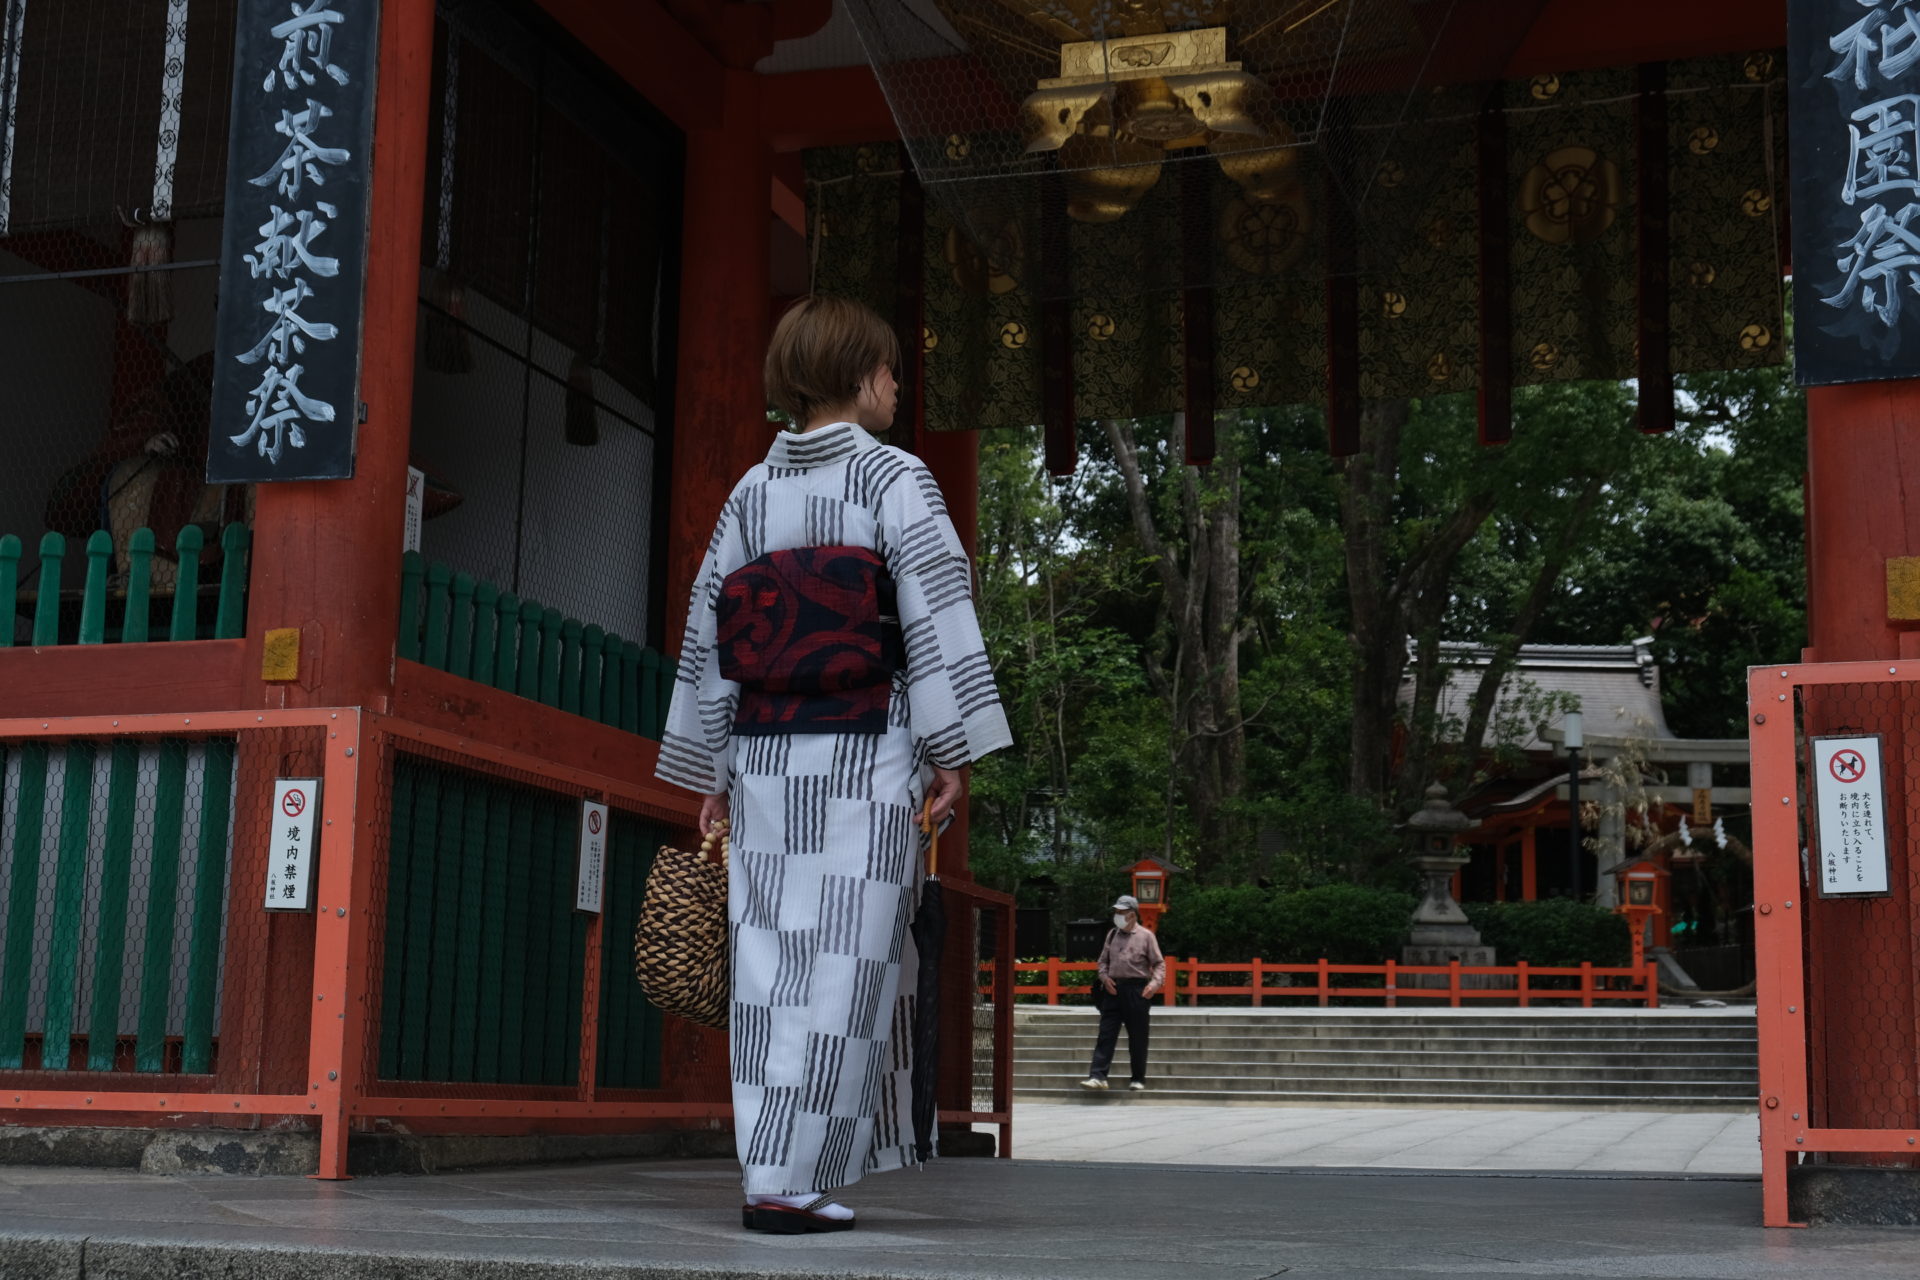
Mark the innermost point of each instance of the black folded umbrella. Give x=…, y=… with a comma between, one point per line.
x=929, y=939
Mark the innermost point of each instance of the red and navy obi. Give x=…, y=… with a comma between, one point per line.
x=812, y=638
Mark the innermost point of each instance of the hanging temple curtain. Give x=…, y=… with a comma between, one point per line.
x=1569, y=198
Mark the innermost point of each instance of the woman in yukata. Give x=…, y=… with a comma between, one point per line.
x=832, y=682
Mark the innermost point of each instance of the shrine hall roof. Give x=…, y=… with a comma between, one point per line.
x=1618, y=687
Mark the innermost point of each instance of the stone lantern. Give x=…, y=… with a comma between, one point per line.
x=1440, y=932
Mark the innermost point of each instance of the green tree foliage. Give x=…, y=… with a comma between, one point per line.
x=1553, y=933
x=1111, y=618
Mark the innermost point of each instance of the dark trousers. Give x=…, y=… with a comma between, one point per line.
x=1130, y=1007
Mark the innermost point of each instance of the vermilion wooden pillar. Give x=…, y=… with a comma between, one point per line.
x=1863, y=507
x=326, y=554
x=954, y=459
x=326, y=560
x=720, y=423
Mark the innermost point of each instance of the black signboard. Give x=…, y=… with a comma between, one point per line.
x=286, y=388
x=1854, y=108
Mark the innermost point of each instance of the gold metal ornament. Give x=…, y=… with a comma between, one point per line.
x=1100, y=327
x=1544, y=88
x=995, y=271
x=1013, y=335
x=1393, y=304
x=1759, y=66
x=1701, y=275
x=928, y=338
x=1244, y=378
x=1543, y=357
x=1756, y=337
x=1439, y=368
x=1571, y=196
x=1703, y=140
x=1756, y=203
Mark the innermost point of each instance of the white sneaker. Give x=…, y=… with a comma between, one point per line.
x=1137, y=1086
x=1093, y=1082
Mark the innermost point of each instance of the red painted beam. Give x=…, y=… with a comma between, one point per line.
x=838, y=107
x=651, y=51
x=125, y=679
x=454, y=704
x=1572, y=35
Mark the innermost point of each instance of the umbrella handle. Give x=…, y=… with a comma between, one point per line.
x=933, y=843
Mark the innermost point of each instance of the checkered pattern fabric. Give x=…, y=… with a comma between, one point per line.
x=827, y=857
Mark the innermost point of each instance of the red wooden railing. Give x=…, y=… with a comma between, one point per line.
x=1455, y=983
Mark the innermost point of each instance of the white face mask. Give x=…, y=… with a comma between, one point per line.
x=1121, y=920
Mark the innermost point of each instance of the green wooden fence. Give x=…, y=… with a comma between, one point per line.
x=64, y=616
x=93, y=969
x=451, y=622
x=630, y=1048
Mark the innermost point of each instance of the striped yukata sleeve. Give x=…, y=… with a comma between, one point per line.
x=951, y=695
x=696, y=747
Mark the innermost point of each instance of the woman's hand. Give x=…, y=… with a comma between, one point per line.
x=714, y=809
x=945, y=793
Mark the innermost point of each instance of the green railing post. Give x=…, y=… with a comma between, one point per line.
x=651, y=712
x=439, y=579
x=610, y=682
x=413, y=571
x=46, y=609
x=514, y=938
x=486, y=622
x=592, y=670
x=93, y=591
x=550, y=657
x=530, y=657
x=29, y=825
x=570, y=666
x=69, y=897
x=10, y=550
x=633, y=682
x=230, y=616
x=169, y=811
x=506, y=657
x=135, y=623
x=209, y=893
x=460, y=641
x=186, y=584
x=110, y=942
x=493, y=955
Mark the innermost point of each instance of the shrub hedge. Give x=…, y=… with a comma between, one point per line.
x=1347, y=924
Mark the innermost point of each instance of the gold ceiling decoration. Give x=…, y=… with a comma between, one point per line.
x=1137, y=81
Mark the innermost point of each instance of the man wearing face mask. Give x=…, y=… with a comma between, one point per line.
x=1132, y=971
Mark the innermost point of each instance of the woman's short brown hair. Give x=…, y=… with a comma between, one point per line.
x=822, y=350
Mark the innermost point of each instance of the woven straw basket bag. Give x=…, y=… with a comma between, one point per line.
x=680, y=941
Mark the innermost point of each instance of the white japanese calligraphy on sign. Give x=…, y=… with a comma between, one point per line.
x=285, y=257
x=1879, y=262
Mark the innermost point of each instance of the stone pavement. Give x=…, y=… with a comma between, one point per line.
x=1391, y=1138
x=965, y=1219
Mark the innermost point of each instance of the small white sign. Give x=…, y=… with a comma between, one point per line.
x=295, y=823
x=591, y=879
x=1852, y=806
x=416, y=507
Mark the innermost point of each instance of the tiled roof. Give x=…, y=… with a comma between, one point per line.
x=1618, y=686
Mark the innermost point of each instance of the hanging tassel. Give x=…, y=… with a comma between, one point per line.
x=583, y=415
x=448, y=348
x=150, y=292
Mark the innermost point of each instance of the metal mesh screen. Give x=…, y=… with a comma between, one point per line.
x=1861, y=1036
x=132, y=934
x=113, y=127
x=1271, y=115
x=542, y=359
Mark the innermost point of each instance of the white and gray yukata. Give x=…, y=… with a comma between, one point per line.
x=827, y=853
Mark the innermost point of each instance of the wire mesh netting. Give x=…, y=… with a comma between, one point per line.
x=1861, y=1030
x=542, y=358
x=132, y=931
x=1012, y=109
x=113, y=125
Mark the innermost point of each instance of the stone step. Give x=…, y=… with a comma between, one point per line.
x=1258, y=1060
x=1042, y=1074
x=1477, y=1099
x=1545, y=1024
x=1251, y=1044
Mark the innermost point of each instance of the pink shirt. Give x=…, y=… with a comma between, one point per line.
x=1133, y=954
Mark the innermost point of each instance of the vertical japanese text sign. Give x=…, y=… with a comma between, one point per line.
x=1854, y=110
x=286, y=388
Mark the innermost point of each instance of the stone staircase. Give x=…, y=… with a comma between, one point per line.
x=1640, y=1059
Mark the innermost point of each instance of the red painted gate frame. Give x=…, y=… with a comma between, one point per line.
x=1779, y=910
x=338, y=1093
